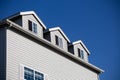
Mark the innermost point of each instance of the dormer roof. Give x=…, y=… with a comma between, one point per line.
x=60, y=30
x=80, y=42
x=28, y=13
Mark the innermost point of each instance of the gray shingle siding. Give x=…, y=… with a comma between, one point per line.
x=23, y=50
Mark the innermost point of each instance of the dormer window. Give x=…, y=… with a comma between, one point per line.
x=81, y=53
x=59, y=41
x=32, y=26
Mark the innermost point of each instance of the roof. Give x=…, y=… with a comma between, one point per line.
x=60, y=30
x=80, y=42
x=28, y=13
x=21, y=29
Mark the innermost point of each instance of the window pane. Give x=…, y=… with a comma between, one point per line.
x=56, y=39
x=28, y=74
x=34, y=28
x=39, y=76
x=81, y=53
x=30, y=25
x=60, y=42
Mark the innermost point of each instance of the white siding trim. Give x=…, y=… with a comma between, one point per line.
x=21, y=71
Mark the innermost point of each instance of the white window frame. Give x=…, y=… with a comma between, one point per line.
x=21, y=71
x=33, y=26
x=81, y=53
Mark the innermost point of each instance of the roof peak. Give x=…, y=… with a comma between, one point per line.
x=28, y=13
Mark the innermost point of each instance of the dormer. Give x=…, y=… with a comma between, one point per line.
x=57, y=37
x=29, y=21
x=78, y=49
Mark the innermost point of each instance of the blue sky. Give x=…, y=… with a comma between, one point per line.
x=95, y=22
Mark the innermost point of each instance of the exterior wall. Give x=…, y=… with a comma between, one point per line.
x=76, y=46
x=21, y=50
x=25, y=19
x=2, y=54
x=53, y=33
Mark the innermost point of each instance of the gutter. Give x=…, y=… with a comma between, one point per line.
x=18, y=27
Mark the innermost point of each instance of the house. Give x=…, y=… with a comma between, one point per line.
x=30, y=51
